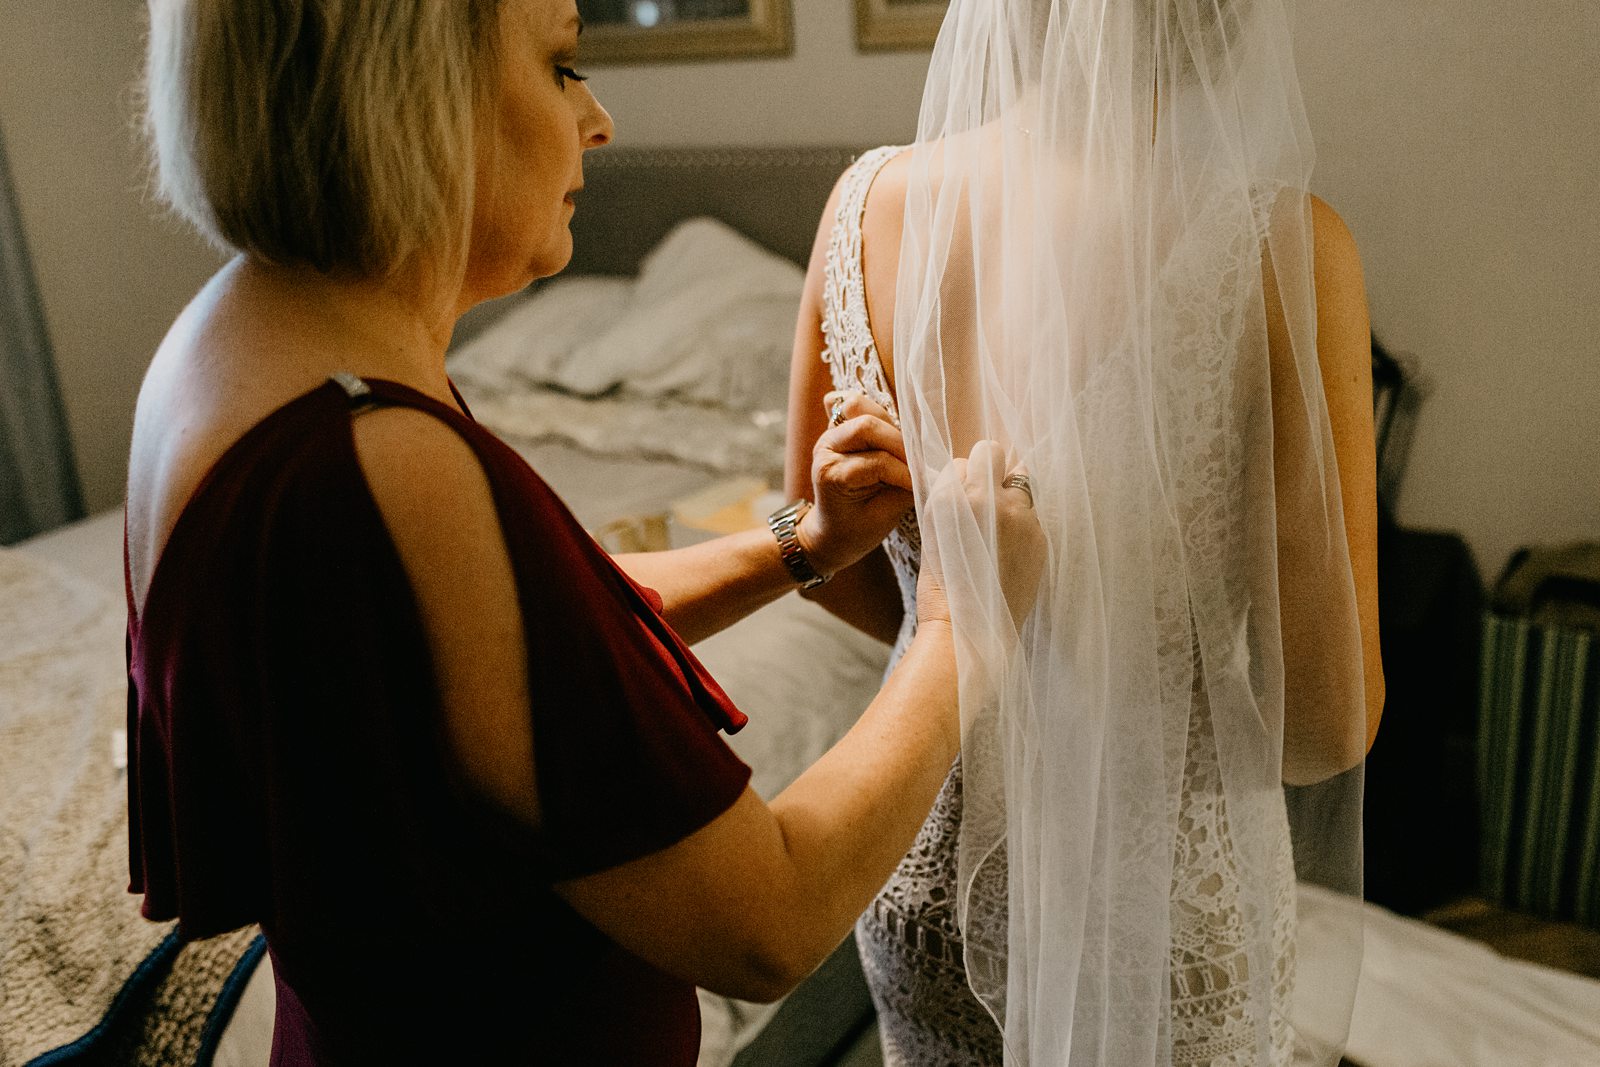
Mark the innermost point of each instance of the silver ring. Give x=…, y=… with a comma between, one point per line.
x=1019, y=481
x=836, y=413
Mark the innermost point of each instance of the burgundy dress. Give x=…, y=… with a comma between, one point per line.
x=288, y=765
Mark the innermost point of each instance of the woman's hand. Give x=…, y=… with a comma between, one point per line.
x=860, y=484
x=1020, y=548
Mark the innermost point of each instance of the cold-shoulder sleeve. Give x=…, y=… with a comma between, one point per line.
x=626, y=721
x=289, y=763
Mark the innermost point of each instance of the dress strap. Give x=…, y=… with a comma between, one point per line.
x=362, y=395
x=359, y=392
x=847, y=333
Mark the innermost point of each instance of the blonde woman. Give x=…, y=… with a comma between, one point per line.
x=386, y=697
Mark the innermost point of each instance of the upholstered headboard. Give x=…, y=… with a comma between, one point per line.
x=633, y=196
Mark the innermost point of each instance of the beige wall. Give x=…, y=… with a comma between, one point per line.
x=826, y=93
x=1461, y=140
x=112, y=277
x=1462, y=145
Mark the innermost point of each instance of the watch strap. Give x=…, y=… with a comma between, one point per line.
x=784, y=524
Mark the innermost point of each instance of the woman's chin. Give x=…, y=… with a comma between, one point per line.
x=553, y=255
x=560, y=258
x=486, y=282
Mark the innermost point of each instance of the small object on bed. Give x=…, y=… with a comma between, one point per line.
x=635, y=533
x=725, y=507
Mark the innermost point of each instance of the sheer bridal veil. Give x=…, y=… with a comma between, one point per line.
x=1107, y=266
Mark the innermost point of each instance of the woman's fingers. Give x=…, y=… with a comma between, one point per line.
x=979, y=485
x=865, y=433
x=860, y=483
x=849, y=404
x=862, y=449
x=986, y=467
x=846, y=408
x=864, y=471
x=1017, y=481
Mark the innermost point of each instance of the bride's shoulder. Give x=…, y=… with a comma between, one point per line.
x=880, y=168
x=884, y=171
x=889, y=181
x=1341, y=288
x=1343, y=340
x=1335, y=254
x=1336, y=261
x=850, y=178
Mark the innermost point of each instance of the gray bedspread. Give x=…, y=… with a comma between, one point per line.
x=80, y=970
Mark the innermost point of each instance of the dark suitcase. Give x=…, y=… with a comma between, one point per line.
x=1539, y=736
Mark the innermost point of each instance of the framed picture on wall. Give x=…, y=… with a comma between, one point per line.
x=884, y=25
x=654, y=31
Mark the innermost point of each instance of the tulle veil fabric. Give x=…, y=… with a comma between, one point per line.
x=1107, y=266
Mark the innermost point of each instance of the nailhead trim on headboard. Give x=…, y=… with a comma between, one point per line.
x=656, y=158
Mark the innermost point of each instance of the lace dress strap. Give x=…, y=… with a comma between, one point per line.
x=848, y=347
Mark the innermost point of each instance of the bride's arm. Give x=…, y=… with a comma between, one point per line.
x=866, y=595
x=1319, y=739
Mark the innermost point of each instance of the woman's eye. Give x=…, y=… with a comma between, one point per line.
x=565, y=74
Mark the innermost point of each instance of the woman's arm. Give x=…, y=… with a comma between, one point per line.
x=754, y=900
x=1344, y=351
x=708, y=587
x=866, y=595
x=860, y=485
x=1316, y=749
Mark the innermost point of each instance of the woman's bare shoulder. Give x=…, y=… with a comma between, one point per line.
x=1336, y=258
x=1343, y=325
x=889, y=184
x=437, y=502
x=193, y=405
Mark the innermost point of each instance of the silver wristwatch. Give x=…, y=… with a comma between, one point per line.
x=784, y=524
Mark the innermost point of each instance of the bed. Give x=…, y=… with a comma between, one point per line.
x=647, y=387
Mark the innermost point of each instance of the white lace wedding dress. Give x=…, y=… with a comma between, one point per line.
x=911, y=948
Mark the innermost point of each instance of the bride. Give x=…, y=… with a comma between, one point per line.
x=1102, y=251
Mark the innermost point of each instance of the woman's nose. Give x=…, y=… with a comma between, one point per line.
x=598, y=127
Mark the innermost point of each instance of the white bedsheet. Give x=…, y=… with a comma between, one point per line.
x=1430, y=998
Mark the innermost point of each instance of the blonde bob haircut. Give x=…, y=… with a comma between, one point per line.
x=335, y=134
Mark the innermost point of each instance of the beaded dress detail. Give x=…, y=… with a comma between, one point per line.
x=910, y=942
x=852, y=355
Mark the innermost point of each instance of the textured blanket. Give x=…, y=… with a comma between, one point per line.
x=83, y=978
x=634, y=427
